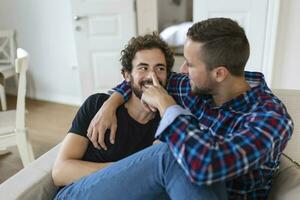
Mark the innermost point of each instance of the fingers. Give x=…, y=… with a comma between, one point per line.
x=101, y=135
x=154, y=79
x=146, y=106
x=153, y=109
x=93, y=138
x=146, y=101
x=89, y=132
x=157, y=141
x=113, y=131
x=96, y=136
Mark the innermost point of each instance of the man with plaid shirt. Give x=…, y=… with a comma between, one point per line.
x=221, y=124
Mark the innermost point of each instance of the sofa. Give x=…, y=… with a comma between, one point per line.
x=35, y=182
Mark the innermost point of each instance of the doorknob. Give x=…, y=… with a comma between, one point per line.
x=77, y=18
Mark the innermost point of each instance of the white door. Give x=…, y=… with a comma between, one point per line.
x=259, y=19
x=101, y=29
x=147, y=16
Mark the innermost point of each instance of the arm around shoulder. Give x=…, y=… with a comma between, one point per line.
x=105, y=119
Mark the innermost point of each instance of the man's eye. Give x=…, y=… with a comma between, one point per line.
x=161, y=69
x=187, y=64
x=143, y=68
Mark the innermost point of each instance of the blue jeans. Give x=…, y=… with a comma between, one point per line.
x=152, y=173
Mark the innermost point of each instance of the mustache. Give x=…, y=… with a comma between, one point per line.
x=148, y=82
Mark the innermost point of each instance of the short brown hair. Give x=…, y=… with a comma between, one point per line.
x=148, y=41
x=224, y=44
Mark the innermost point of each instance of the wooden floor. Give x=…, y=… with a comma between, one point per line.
x=47, y=125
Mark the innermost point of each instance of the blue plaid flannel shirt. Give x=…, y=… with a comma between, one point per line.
x=239, y=142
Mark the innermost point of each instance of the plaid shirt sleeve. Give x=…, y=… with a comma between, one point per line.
x=123, y=88
x=207, y=157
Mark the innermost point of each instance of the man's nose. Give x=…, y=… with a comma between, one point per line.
x=183, y=69
x=150, y=72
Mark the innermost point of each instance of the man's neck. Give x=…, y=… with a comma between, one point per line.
x=230, y=89
x=137, y=111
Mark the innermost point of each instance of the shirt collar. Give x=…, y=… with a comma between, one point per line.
x=258, y=86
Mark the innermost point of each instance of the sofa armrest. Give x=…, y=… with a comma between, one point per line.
x=34, y=181
x=286, y=183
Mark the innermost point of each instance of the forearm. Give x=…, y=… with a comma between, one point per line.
x=115, y=100
x=220, y=159
x=71, y=170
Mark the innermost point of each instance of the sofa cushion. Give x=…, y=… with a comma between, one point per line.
x=32, y=182
x=286, y=183
x=291, y=99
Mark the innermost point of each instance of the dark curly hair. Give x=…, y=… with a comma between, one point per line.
x=148, y=41
x=224, y=44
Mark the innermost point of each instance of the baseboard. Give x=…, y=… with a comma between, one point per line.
x=64, y=99
x=70, y=100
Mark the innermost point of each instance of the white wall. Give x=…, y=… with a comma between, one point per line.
x=44, y=29
x=287, y=67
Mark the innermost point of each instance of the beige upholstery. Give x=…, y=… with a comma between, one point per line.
x=286, y=184
x=291, y=98
x=34, y=181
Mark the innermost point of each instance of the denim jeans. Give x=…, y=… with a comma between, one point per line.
x=152, y=173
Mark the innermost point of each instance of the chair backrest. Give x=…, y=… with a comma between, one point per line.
x=7, y=47
x=21, y=65
x=291, y=99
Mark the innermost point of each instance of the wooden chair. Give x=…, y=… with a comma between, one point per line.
x=12, y=122
x=7, y=60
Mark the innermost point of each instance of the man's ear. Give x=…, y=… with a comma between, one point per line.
x=220, y=73
x=126, y=75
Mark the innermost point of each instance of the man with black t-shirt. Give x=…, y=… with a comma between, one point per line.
x=142, y=57
x=78, y=168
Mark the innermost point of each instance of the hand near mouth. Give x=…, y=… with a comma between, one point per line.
x=156, y=97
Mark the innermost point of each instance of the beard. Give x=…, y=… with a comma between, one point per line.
x=201, y=91
x=205, y=89
x=137, y=89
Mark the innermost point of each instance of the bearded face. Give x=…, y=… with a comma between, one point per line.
x=138, y=87
x=147, y=62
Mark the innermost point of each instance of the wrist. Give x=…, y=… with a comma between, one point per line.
x=164, y=105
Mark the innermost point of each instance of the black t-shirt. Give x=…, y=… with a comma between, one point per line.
x=131, y=136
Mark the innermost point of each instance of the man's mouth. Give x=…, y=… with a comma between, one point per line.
x=146, y=83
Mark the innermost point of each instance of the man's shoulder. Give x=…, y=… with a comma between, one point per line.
x=268, y=102
x=101, y=96
x=94, y=102
x=98, y=98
